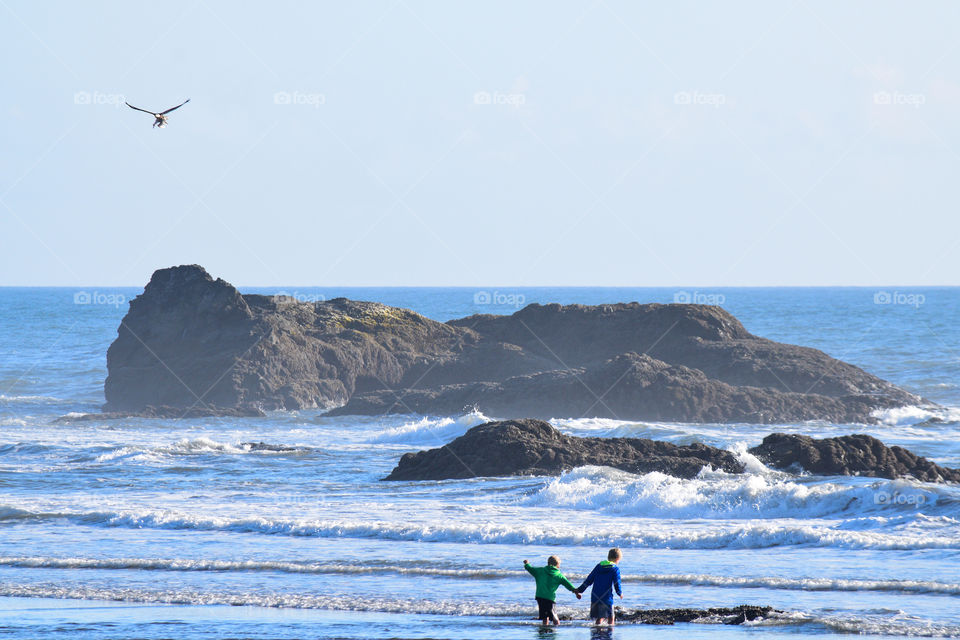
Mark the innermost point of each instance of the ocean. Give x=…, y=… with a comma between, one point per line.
x=154, y=528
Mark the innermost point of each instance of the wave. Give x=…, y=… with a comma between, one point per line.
x=200, y=446
x=276, y=600
x=432, y=431
x=28, y=399
x=321, y=568
x=714, y=494
x=911, y=415
x=884, y=623
x=655, y=535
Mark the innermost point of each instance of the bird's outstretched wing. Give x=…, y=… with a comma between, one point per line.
x=176, y=107
x=138, y=108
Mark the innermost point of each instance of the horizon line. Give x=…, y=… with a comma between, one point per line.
x=510, y=286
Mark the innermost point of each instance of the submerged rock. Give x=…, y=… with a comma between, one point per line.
x=535, y=447
x=192, y=342
x=273, y=448
x=720, y=615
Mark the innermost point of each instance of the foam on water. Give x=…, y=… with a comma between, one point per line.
x=430, y=431
x=30, y=399
x=190, y=446
x=911, y=415
x=643, y=534
x=269, y=599
x=719, y=495
x=878, y=623
x=335, y=568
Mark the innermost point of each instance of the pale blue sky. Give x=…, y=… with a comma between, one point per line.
x=625, y=143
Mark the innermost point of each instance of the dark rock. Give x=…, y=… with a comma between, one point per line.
x=719, y=615
x=853, y=455
x=628, y=386
x=266, y=446
x=534, y=447
x=190, y=342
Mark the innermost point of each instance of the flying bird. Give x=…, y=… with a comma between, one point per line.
x=161, y=118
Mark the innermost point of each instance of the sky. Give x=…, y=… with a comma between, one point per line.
x=408, y=143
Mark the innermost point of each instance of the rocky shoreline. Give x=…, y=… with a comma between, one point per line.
x=190, y=343
x=535, y=447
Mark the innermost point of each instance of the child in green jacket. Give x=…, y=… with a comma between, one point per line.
x=548, y=580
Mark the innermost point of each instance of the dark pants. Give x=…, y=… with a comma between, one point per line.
x=546, y=609
x=600, y=609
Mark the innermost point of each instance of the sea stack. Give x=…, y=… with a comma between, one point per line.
x=194, y=343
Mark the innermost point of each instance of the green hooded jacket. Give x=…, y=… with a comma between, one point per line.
x=548, y=580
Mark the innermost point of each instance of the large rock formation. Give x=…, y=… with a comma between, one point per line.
x=534, y=447
x=192, y=343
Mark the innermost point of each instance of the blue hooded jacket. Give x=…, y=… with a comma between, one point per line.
x=605, y=579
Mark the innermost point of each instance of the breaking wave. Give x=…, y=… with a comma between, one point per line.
x=719, y=495
x=334, y=568
x=910, y=415
x=431, y=431
x=199, y=446
x=937, y=533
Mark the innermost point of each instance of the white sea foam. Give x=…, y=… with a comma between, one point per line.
x=719, y=495
x=279, y=600
x=334, y=568
x=188, y=446
x=653, y=533
x=750, y=462
x=910, y=415
x=28, y=399
x=880, y=623
x=431, y=431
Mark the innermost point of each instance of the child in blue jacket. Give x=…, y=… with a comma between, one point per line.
x=605, y=579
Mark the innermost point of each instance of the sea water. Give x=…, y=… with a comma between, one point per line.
x=156, y=528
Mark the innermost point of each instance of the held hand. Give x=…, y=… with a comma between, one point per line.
x=525, y=562
x=621, y=596
x=578, y=594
